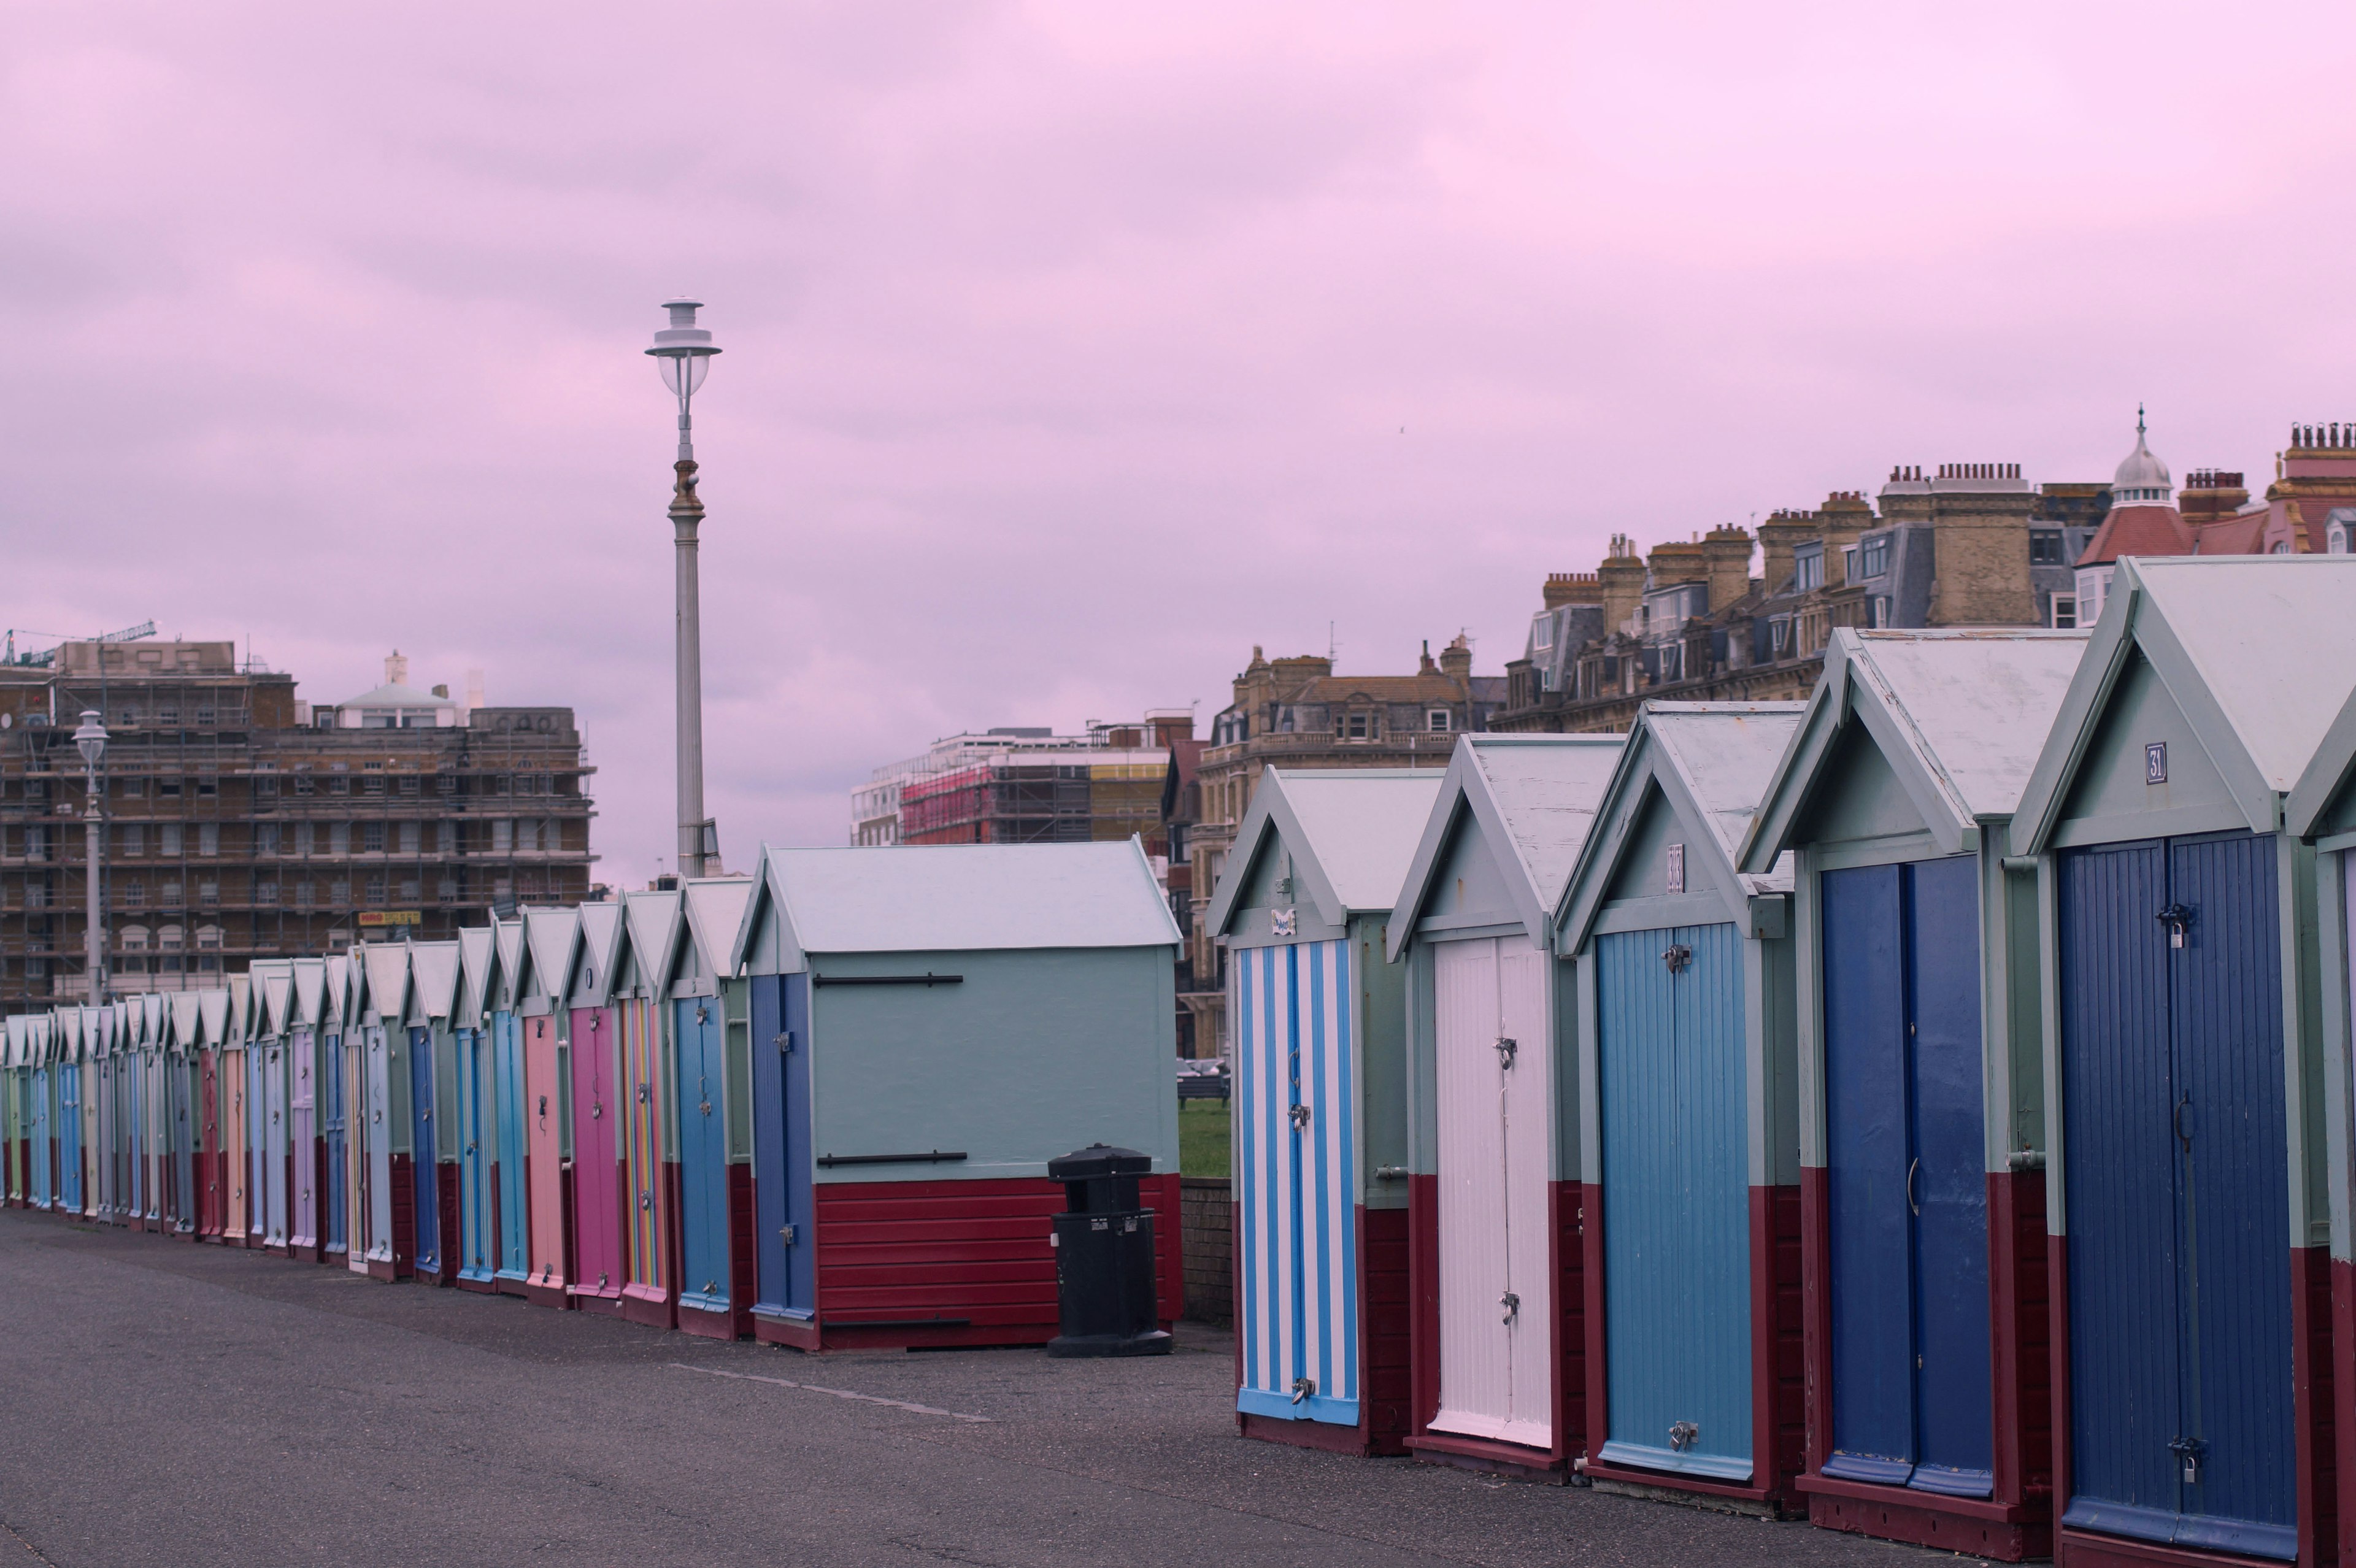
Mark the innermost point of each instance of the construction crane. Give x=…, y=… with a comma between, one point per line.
x=48, y=655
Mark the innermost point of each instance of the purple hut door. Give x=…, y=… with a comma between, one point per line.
x=597, y=1168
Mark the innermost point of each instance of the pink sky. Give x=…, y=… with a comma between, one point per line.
x=1071, y=351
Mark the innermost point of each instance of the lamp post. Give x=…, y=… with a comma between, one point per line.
x=90, y=740
x=685, y=350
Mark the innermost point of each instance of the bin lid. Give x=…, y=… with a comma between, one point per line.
x=1098, y=1160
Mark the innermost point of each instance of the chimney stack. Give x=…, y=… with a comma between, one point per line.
x=1456, y=660
x=1623, y=577
x=1728, y=552
x=396, y=669
x=1780, y=538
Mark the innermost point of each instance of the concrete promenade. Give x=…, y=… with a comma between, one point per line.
x=189, y=1406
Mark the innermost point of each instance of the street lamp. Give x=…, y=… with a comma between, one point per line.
x=684, y=350
x=91, y=740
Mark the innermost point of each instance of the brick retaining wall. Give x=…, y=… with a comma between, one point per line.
x=1208, y=1228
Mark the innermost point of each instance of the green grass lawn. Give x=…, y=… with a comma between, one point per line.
x=1202, y=1137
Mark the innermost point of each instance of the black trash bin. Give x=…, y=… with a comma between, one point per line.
x=1103, y=1256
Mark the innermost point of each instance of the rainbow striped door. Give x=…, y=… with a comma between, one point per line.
x=643, y=1171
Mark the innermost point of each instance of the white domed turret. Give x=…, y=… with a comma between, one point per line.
x=2142, y=479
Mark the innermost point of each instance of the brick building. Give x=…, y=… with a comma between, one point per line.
x=1297, y=713
x=240, y=822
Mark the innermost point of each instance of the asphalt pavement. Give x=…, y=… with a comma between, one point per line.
x=167, y=1404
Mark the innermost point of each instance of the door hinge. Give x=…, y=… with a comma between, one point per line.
x=1677, y=957
x=1506, y=1047
x=1513, y=1305
x=1300, y=1114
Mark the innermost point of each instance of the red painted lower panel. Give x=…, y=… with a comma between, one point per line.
x=404, y=1217
x=2016, y=1522
x=1423, y=1297
x=2313, y=1415
x=1384, y=1372
x=742, y=1219
x=2343, y=1398
x=893, y=1256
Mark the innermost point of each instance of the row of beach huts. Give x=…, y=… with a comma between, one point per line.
x=1925, y=1108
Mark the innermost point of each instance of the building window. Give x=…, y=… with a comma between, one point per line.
x=409, y=784
x=207, y=786
x=302, y=895
x=445, y=784
x=1808, y=568
x=373, y=838
x=168, y=713
x=1873, y=556
x=265, y=788
x=2065, y=611
x=2282, y=547
x=409, y=832
x=171, y=899
x=409, y=890
x=339, y=892
x=503, y=784
x=2045, y=546
x=375, y=891
x=1673, y=663
x=1438, y=721
x=208, y=895
x=340, y=784
x=135, y=838
x=1360, y=724
x=135, y=894
x=171, y=938
x=1880, y=610
x=302, y=785
x=208, y=838
x=2335, y=539
x=1542, y=632
x=265, y=838
x=135, y=789
x=502, y=836
x=373, y=783
x=339, y=838
x=446, y=837
x=265, y=892
x=448, y=889
x=168, y=786
x=167, y=838
x=209, y=937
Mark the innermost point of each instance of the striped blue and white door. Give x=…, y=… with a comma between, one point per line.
x=1294, y=1099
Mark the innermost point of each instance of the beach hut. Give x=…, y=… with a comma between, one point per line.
x=192, y=1176
x=593, y=1046
x=552, y=937
x=650, y=1195
x=511, y=1207
x=74, y=1102
x=1922, y=1232
x=1688, y=1167
x=155, y=1102
x=477, y=1113
x=273, y=1011
x=105, y=1159
x=12, y=1112
x=2186, y=1177
x=340, y=1114
x=228, y=1032
x=934, y=1025
x=307, y=1182
x=711, y=1070
x=432, y=1062
x=1320, y=1109
x=1498, y=1338
x=130, y=1118
x=2321, y=811
x=387, y=1155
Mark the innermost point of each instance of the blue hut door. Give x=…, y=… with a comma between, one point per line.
x=514, y=1216
x=334, y=1132
x=425, y=1170
x=476, y=1244
x=1912, y=1399
x=1295, y=1095
x=786, y=1246
x=1676, y=1199
x=702, y=1079
x=2179, y=1275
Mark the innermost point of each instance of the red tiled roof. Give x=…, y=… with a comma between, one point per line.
x=2139, y=530
x=2233, y=535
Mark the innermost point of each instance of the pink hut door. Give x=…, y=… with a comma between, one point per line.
x=233, y=1073
x=597, y=1168
x=544, y=1157
x=643, y=1187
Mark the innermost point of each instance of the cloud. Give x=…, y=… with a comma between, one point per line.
x=1071, y=350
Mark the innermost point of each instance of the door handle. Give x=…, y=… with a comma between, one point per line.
x=1910, y=1201
x=2180, y=1123
x=1507, y=1048
x=1513, y=1305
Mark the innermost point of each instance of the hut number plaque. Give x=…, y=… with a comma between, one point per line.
x=2155, y=762
x=1284, y=921
x=1673, y=871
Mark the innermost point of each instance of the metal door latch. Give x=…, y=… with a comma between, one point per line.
x=2177, y=918
x=702, y=1015
x=1300, y=1114
x=1513, y=1305
x=1507, y=1047
x=708, y=1287
x=2189, y=1452
x=786, y=1233
x=1677, y=957
x=643, y=1092
x=646, y=1201
x=1302, y=1388
x=1683, y=1435
x=785, y=1042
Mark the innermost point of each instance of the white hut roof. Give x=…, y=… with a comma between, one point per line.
x=1355, y=831
x=968, y=897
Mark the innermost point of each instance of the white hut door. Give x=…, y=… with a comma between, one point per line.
x=1477, y=1374
x=1528, y=1137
